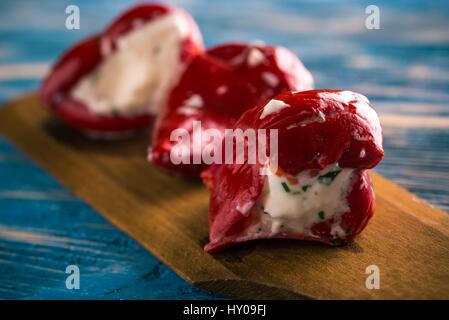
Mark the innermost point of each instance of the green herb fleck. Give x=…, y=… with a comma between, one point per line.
x=296, y=192
x=286, y=187
x=321, y=214
x=305, y=187
x=328, y=177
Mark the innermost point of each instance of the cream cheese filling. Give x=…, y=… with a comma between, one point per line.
x=297, y=203
x=136, y=77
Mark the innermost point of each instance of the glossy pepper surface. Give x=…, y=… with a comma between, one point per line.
x=317, y=128
x=217, y=88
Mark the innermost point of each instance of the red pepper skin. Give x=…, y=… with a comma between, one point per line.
x=243, y=87
x=84, y=56
x=321, y=127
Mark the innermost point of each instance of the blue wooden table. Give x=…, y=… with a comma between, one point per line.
x=403, y=68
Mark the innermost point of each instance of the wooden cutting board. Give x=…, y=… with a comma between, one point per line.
x=407, y=239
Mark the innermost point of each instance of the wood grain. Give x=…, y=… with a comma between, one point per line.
x=407, y=238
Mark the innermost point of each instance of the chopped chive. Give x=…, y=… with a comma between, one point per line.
x=296, y=192
x=328, y=177
x=305, y=187
x=321, y=214
x=286, y=187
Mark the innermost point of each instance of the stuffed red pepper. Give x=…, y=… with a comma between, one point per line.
x=316, y=188
x=116, y=81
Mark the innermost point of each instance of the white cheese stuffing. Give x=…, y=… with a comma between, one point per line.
x=362, y=153
x=187, y=111
x=194, y=101
x=245, y=208
x=135, y=78
x=337, y=231
x=255, y=57
x=273, y=106
x=297, y=207
x=191, y=105
x=270, y=78
x=317, y=117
